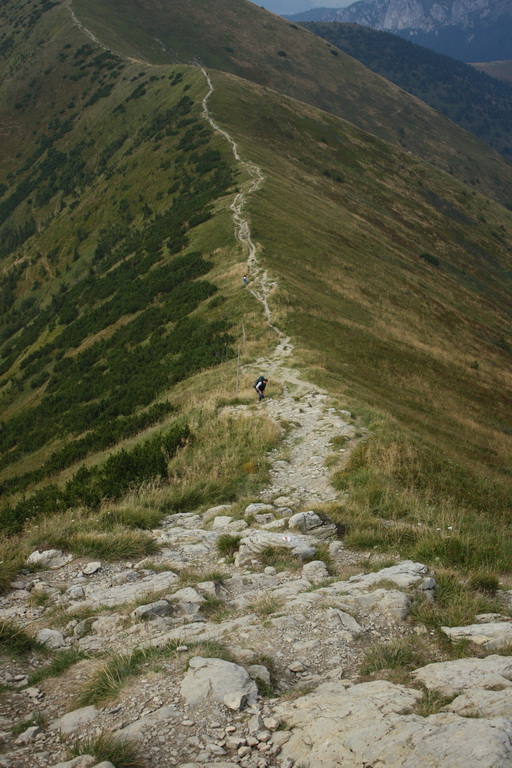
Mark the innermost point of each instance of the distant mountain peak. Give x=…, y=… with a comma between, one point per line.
x=472, y=30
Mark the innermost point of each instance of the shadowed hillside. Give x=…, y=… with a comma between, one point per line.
x=478, y=104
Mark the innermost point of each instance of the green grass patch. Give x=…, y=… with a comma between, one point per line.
x=62, y=661
x=106, y=747
x=15, y=640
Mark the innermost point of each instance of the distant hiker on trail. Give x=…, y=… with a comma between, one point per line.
x=259, y=386
x=244, y=279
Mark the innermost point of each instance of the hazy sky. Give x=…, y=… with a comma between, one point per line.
x=297, y=6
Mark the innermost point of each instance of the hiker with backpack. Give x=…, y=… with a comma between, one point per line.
x=259, y=386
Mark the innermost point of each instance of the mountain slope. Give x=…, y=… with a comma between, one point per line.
x=121, y=275
x=240, y=38
x=477, y=103
x=471, y=31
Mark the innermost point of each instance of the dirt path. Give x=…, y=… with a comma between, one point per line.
x=299, y=473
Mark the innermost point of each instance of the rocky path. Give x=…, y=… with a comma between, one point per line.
x=312, y=421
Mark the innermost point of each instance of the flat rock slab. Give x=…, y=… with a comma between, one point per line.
x=126, y=593
x=220, y=680
x=482, y=703
x=404, y=575
x=491, y=635
x=452, y=677
x=367, y=724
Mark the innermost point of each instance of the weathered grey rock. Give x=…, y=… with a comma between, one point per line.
x=316, y=571
x=404, y=575
x=51, y=637
x=28, y=735
x=125, y=577
x=389, y=601
x=72, y=721
x=50, y=558
x=126, y=593
x=221, y=521
x=314, y=525
x=492, y=635
x=481, y=703
x=92, y=568
x=257, y=508
x=92, y=643
x=254, y=544
x=208, y=588
x=259, y=671
x=451, y=677
x=105, y=764
x=152, y=610
x=75, y=592
x=367, y=724
x=213, y=512
x=82, y=761
x=220, y=680
x=138, y=728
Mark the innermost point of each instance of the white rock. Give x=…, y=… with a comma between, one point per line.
x=491, y=635
x=74, y=720
x=92, y=568
x=82, y=761
x=152, y=610
x=481, y=703
x=451, y=677
x=254, y=544
x=220, y=680
x=368, y=724
x=257, y=509
x=315, y=571
x=29, y=735
x=50, y=558
x=221, y=521
x=138, y=728
x=51, y=637
x=404, y=575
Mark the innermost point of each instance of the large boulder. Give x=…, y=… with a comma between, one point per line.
x=219, y=680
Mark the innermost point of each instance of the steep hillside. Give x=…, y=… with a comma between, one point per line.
x=477, y=103
x=471, y=31
x=501, y=70
x=238, y=37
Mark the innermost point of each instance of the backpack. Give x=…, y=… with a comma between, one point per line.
x=258, y=380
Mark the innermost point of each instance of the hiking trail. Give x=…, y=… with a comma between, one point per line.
x=299, y=474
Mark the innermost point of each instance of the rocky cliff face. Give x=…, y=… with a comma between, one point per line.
x=472, y=30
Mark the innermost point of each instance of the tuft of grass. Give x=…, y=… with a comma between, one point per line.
x=63, y=661
x=455, y=604
x=14, y=639
x=280, y=558
x=227, y=544
x=36, y=718
x=266, y=605
x=485, y=582
x=108, y=680
x=115, y=545
x=107, y=748
x=403, y=655
x=130, y=516
x=215, y=609
x=431, y=703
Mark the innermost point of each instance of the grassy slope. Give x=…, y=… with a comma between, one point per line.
x=237, y=36
x=428, y=344
x=502, y=70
